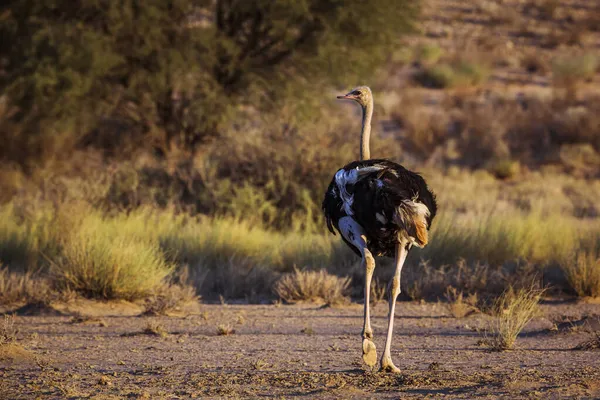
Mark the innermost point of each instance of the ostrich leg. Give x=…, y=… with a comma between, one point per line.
x=354, y=234
x=369, y=349
x=393, y=292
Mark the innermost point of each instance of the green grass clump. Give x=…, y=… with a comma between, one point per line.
x=25, y=236
x=99, y=259
x=571, y=70
x=428, y=53
x=461, y=73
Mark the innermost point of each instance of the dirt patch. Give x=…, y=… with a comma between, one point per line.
x=271, y=355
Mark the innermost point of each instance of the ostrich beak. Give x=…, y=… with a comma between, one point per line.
x=346, y=96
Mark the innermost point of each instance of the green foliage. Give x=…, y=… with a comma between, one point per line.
x=166, y=74
x=461, y=73
x=568, y=71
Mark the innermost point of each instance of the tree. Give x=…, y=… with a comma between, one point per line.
x=166, y=72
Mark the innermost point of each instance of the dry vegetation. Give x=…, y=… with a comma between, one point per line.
x=8, y=332
x=225, y=330
x=201, y=177
x=458, y=305
x=513, y=310
x=583, y=273
x=505, y=131
x=155, y=328
x=591, y=344
x=312, y=286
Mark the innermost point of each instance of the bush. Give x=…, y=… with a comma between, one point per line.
x=101, y=259
x=460, y=73
x=569, y=71
x=583, y=273
x=18, y=287
x=458, y=306
x=312, y=286
x=504, y=168
x=514, y=309
x=428, y=53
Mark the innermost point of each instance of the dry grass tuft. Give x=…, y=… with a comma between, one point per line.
x=504, y=168
x=583, y=273
x=513, y=309
x=155, y=328
x=458, y=306
x=225, y=330
x=378, y=291
x=569, y=71
x=23, y=287
x=8, y=332
x=170, y=297
x=315, y=286
x=590, y=344
x=87, y=320
x=307, y=330
x=102, y=259
x=259, y=364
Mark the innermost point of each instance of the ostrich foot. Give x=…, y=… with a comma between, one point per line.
x=388, y=366
x=369, y=353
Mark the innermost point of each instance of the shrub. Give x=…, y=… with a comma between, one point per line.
x=461, y=73
x=591, y=344
x=428, y=53
x=8, y=332
x=156, y=329
x=514, y=309
x=25, y=234
x=504, y=168
x=312, y=286
x=225, y=330
x=101, y=259
x=569, y=71
x=458, y=306
x=169, y=298
x=582, y=270
x=17, y=287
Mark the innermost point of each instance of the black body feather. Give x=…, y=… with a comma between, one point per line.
x=385, y=188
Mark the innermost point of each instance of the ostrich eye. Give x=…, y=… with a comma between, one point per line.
x=356, y=93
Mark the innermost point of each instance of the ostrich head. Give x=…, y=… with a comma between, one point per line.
x=362, y=95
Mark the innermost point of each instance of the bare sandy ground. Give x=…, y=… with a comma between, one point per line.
x=300, y=351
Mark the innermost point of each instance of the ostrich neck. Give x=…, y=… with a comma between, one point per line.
x=365, y=133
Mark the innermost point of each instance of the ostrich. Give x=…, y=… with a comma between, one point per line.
x=380, y=208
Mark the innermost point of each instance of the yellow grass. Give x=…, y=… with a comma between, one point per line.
x=485, y=229
x=514, y=309
x=583, y=272
x=312, y=286
x=107, y=258
x=458, y=305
